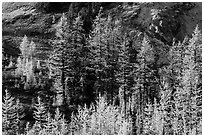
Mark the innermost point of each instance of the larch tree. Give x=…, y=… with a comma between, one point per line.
x=32, y=48
x=26, y=62
x=21, y=61
x=19, y=65
x=24, y=47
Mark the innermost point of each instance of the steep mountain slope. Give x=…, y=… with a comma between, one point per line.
x=163, y=21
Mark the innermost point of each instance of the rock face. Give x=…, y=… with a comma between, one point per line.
x=165, y=20
x=161, y=21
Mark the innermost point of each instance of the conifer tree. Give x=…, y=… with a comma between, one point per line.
x=36, y=129
x=12, y=114
x=49, y=125
x=97, y=50
x=112, y=38
x=61, y=45
x=27, y=128
x=143, y=78
x=171, y=77
x=59, y=123
x=19, y=65
x=19, y=115
x=157, y=119
x=32, y=48
x=77, y=63
x=40, y=112
x=191, y=81
x=8, y=113
x=122, y=76
x=26, y=62
x=24, y=47
x=148, y=130
x=65, y=65
x=183, y=81
x=102, y=119
x=103, y=43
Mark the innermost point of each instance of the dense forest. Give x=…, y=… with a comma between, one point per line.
x=103, y=78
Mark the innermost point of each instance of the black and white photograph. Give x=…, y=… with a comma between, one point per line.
x=101, y=68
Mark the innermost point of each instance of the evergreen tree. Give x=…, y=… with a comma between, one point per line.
x=78, y=61
x=191, y=81
x=170, y=81
x=40, y=112
x=122, y=75
x=8, y=113
x=41, y=116
x=102, y=119
x=97, y=51
x=49, y=125
x=183, y=80
x=19, y=115
x=36, y=129
x=59, y=123
x=144, y=78
x=103, y=55
x=12, y=113
x=157, y=120
x=27, y=128
x=65, y=63
x=61, y=46
x=111, y=38
x=148, y=112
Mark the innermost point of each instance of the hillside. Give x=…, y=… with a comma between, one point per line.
x=164, y=21
x=102, y=68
